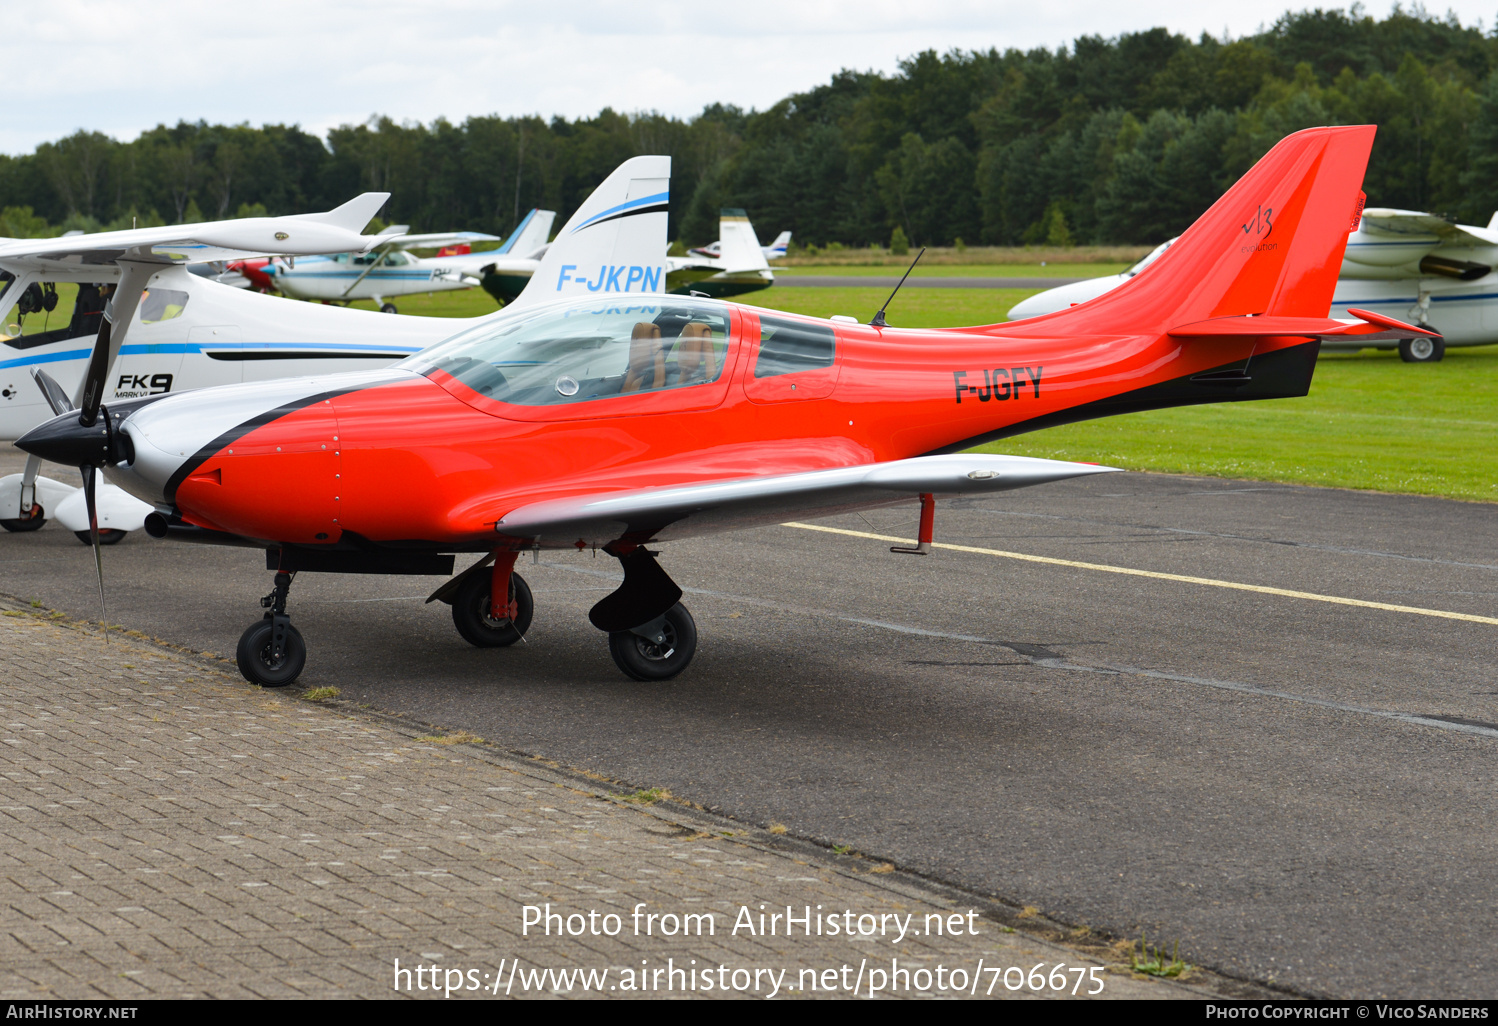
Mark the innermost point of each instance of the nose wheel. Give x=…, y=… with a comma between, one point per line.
x=271, y=652
x=107, y=536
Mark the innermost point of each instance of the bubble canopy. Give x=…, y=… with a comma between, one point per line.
x=578, y=352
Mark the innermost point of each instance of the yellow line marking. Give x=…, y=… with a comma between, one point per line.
x=1182, y=578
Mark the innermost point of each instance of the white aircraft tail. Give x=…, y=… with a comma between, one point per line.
x=353, y=215
x=532, y=233
x=615, y=243
x=739, y=247
x=778, y=248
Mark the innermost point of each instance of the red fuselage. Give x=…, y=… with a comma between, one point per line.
x=425, y=459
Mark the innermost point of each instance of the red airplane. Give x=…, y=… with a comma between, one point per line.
x=626, y=422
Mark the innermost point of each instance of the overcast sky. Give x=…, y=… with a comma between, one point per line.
x=123, y=67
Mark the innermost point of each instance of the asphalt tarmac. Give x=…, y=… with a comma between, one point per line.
x=1301, y=790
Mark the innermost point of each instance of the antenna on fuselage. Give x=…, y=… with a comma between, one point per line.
x=878, y=321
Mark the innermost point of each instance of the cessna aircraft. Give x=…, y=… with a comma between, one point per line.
x=627, y=423
x=1427, y=268
x=390, y=270
x=187, y=332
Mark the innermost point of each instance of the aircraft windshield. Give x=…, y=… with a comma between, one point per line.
x=575, y=354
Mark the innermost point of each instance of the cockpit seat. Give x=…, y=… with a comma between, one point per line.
x=647, y=359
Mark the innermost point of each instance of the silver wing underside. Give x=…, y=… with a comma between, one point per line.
x=667, y=514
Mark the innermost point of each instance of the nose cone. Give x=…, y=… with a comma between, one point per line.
x=64, y=439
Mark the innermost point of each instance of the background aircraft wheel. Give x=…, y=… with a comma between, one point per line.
x=31, y=522
x=107, y=536
x=1422, y=349
x=642, y=659
x=388, y=308
x=255, y=661
x=471, y=612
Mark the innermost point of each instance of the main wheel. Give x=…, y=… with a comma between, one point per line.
x=643, y=659
x=107, y=536
x=32, y=521
x=1422, y=349
x=471, y=613
x=259, y=666
x=388, y=308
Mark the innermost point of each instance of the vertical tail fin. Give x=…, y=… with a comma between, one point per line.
x=531, y=234
x=1272, y=245
x=778, y=248
x=615, y=242
x=739, y=247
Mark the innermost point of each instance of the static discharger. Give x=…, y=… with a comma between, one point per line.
x=922, y=546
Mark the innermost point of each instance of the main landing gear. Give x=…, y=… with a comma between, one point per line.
x=652, y=636
x=1423, y=349
x=271, y=652
x=484, y=622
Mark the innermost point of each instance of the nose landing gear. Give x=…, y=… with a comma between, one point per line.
x=271, y=653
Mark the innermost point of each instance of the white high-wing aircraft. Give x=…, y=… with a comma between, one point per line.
x=739, y=266
x=1420, y=267
x=391, y=270
x=172, y=330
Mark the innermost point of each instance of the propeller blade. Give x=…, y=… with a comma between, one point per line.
x=93, y=378
x=89, y=475
x=52, y=392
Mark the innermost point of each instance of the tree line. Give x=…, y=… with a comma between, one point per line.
x=1123, y=140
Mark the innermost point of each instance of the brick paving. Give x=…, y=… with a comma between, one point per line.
x=167, y=830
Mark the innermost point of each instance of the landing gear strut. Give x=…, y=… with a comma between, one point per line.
x=484, y=622
x=652, y=636
x=271, y=652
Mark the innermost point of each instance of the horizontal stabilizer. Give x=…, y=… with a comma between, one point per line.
x=353, y=215
x=1370, y=326
x=670, y=513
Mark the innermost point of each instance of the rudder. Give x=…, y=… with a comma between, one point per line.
x=1272, y=245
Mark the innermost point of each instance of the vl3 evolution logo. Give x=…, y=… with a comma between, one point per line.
x=1259, y=228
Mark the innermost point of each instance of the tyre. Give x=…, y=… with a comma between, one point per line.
x=1423, y=349
x=32, y=521
x=107, y=536
x=388, y=308
x=256, y=662
x=643, y=659
x=471, y=612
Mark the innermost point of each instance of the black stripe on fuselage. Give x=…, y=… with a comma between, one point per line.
x=299, y=354
x=1282, y=374
x=237, y=432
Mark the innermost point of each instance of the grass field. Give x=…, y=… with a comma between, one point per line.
x=925, y=270
x=1013, y=256
x=1370, y=421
